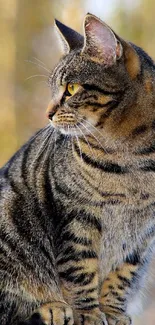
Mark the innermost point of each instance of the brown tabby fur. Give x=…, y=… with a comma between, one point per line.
x=78, y=200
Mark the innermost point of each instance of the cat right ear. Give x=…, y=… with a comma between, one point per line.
x=69, y=39
x=101, y=44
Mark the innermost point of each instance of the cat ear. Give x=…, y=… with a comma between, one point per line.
x=101, y=44
x=69, y=38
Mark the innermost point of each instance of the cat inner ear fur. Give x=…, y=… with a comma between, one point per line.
x=69, y=39
x=101, y=44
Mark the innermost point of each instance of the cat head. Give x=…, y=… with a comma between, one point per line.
x=98, y=82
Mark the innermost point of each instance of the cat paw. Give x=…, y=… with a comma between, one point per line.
x=91, y=319
x=124, y=320
x=54, y=313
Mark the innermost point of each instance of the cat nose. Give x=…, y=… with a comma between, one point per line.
x=51, y=109
x=50, y=115
x=54, y=104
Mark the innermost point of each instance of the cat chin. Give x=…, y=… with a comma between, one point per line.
x=70, y=130
x=67, y=130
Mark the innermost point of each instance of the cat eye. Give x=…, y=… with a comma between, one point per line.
x=72, y=88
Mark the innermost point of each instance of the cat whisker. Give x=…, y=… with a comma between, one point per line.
x=42, y=149
x=39, y=65
x=36, y=75
x=44, y=145
x=47, y=148
x=64, y=141
x=40, y=131
x=48, y=126
x=86, y=141
x=41, y=62
x=39, y=82
x=78, y=142
x=92, y=126
x=66, y=138
x=55, y=140
x=93, y=136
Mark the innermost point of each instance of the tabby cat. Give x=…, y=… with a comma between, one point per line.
x=78, y=199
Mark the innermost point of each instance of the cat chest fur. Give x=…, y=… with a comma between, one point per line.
x=117, y=204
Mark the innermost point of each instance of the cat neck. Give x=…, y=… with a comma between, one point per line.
x=112, y=146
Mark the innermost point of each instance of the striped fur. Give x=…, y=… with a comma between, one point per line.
x=77, y=200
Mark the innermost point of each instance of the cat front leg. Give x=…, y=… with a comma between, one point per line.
x=78, y=268
x=80, y=289
x=119, y=287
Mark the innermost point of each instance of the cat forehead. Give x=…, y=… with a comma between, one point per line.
x=70, y=66
x=76, y=68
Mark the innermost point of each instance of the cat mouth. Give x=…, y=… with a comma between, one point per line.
x=67, y=127
x=63, y=121
x=69, y=124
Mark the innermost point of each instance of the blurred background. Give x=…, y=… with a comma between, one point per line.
x=29, y=51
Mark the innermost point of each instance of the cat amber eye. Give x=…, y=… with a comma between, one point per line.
x=72, y=88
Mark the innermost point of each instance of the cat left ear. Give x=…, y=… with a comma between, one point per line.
x=101, y=44
x=69, y=38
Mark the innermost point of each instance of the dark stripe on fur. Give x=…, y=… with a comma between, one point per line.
x=71, y=254
x=153, y=124
x=114, y=293
x=83, y=216
x=89, y=220
x=124, y=280
x=72, y=269
x=139, y=130
x=107, y=167
x=149, y=166
x=68, y=236
x=19, y=255
x=112, y=105
x=133, y=258
x=146, y=150
x=97, y=146
x=104, y=194
x=86, y=300
x=120, y=287
x=86, y=291
x=101, y=90
x=88, y=307
x=117, y=309
x=79, y=255
x=121, y=299
x=96, y=104
x=83, y=279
